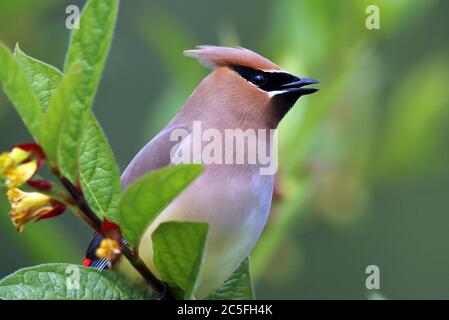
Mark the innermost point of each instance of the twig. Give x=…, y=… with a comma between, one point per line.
x=89, y=216
x=140, y=266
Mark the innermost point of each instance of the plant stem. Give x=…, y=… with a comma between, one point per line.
x=89, y=216
x=140, y=266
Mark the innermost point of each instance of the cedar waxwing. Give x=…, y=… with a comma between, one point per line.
x=243, y=91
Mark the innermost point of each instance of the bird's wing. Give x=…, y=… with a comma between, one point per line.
x=90, y=258
x=155, y=155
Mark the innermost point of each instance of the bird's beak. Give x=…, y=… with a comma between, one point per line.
x=297, y=86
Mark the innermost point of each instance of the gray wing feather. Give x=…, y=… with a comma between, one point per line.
x=154, y=155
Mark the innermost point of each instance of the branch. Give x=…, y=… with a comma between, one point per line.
x=89, y=216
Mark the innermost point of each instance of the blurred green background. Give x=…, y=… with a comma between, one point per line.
x=364, y=163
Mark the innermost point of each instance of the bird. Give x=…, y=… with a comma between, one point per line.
x=244, y=90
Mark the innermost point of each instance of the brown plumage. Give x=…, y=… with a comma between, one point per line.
x=212, y=56
x=244, y=91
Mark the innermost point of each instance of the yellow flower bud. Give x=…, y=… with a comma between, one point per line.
x=109, y=249
x=10, y=159
x=20, y=174
x=19, y=155
x=26, y=206
x=13, y=170
x=5, y=162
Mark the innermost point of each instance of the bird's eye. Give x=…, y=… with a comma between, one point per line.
x=259, y=80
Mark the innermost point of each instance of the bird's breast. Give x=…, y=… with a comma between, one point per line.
x=235, y=201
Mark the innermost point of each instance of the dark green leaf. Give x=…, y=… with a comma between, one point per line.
x=99, y=174
x=20, y=92
x=147, y=196
x=238, y=286
x=179, y=252
x=60, y=281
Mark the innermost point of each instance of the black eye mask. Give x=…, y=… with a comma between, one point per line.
x=268, y=81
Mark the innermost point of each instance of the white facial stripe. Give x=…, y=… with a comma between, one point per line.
x=271, y=94
x=274, y=71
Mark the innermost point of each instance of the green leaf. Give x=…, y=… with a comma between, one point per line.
x=238, y=286
x=20, y=92
x=179, y=252
x=147, y=196
x=62, y=134
x=59, y=281
x=43, y=77
x=99, y=174
x=68, y=108
x=90, y=44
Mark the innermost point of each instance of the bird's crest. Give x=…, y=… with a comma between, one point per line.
x=213, y=56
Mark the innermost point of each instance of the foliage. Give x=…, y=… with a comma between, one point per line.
x=19, y=91
x=351, y=158
x=363, y=164
x=56, y=107
x=178, y=253
x=238, y=286
x=99, y=173
x=52, y=281
x=147, y=196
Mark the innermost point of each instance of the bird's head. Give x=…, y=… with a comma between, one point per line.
x=245, y=82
